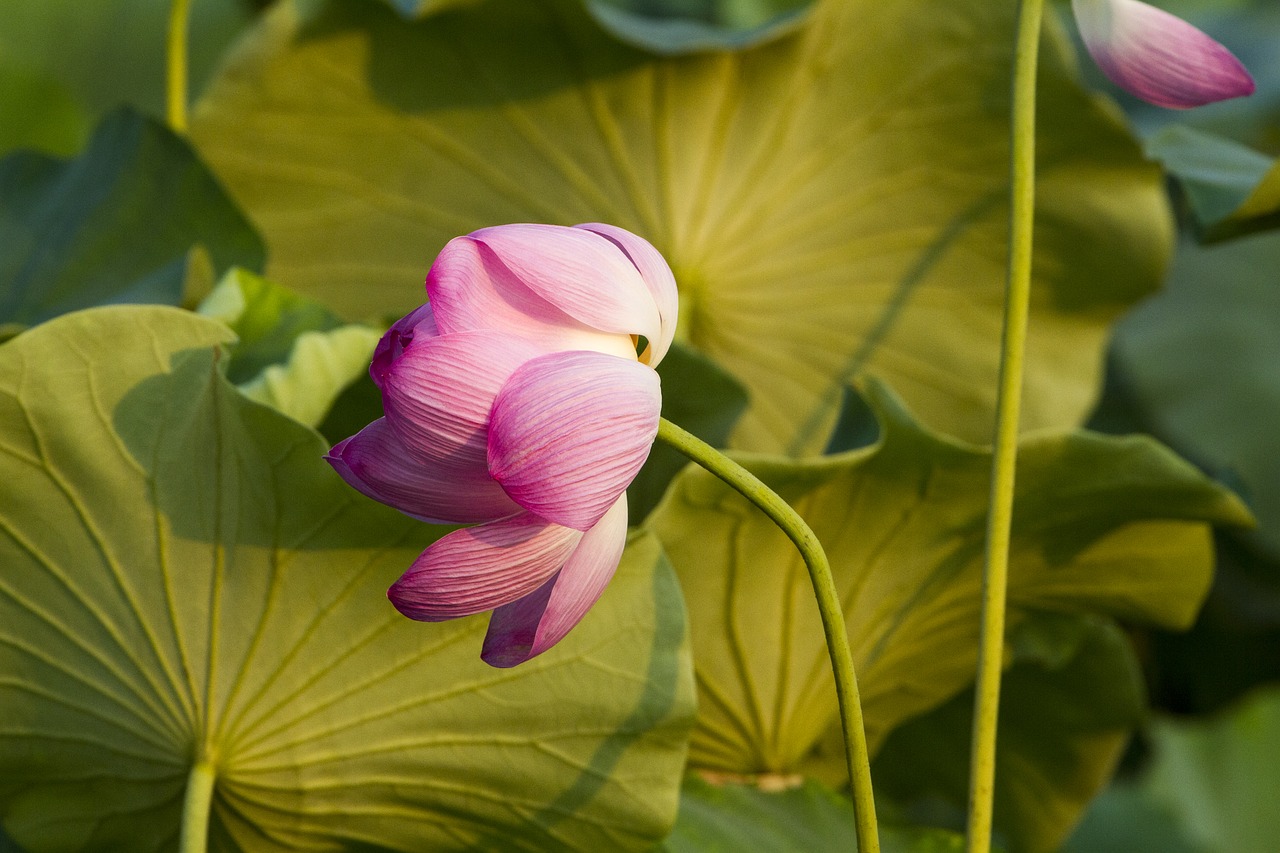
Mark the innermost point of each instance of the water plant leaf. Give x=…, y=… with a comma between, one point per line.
x=1068, y=704
x=1231, y=189
x=796, y=818
x=291, y=353
x=110, y=52
x=185, y=578
x=1209, y=787
x=43, y=114
x=69, y=230
x=1198, y=362
x=1117, y=526
x=685, y=26
x=833, y=203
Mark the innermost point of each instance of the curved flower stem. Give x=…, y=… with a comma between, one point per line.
x=195, y=809
x=824, y=589
x=176, y=54
x=1022, y=176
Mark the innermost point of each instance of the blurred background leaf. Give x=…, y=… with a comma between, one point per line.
x=1210, y=787
x=105, y=53
x=688, y=26
x=116, y=224
x=1229, y=188
x=1069, y=702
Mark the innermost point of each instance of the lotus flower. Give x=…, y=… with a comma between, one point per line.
x=515, y=401
x=1158, y=56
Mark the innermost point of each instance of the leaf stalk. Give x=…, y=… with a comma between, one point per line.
x=995, y=573
x=833, y=624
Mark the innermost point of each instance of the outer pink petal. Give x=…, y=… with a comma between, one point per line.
x=535, y=623
x=479, y=568
x=418, y=324
x=438, y=394
x=570, y=431
x=375, y=462
x=541, y=286
x=1158, y=56
x=657, y=277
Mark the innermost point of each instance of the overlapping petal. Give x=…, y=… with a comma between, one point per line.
x=657, y=277
x=484, y=567
x=1158, y=56
x=490, y=281
x=418, y=324
x=535, y=623
x=438, y=394
x=377, y=463
x=570, y=431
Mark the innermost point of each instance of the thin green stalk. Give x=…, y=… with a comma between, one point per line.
x=833, y=625
x=195, y=809
x=1022, y=177
x=176, y=53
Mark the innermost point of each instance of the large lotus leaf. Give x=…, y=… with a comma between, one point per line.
x=832, y=203
x=116, y=224
x=1211, y=787
x=183, y=578
x=1068, y=705
x=107, y=52
x=1230, y=188
x=291, y=353
x=686, y=26
x=799, y=818
x=1199, y=362
x=1101, y=524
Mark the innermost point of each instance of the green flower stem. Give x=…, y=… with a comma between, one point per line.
x=1022, y=191
x=176, y=54
x=195, y=809
x=833, y=625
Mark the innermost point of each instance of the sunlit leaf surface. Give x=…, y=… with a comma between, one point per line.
x=184, y=578
x=832, y=202
x=292, y=353
x=1111, y=525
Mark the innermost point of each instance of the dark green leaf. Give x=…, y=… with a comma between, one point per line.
x=688, y=26
x=1067, y=706
x=1231, y=189
x=114, y=225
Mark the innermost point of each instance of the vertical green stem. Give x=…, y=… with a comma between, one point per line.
x=176, y=53
x=1022, y=177
x=833, y=625
x=195, y=809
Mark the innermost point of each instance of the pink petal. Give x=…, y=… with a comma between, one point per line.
x=569, y=432
x=1158, y=56
x=564, y=292
x=480, y=568
x=657, y=277
x=535, y=623
x=419, y=323
x=438, y=394
x=375, y=462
